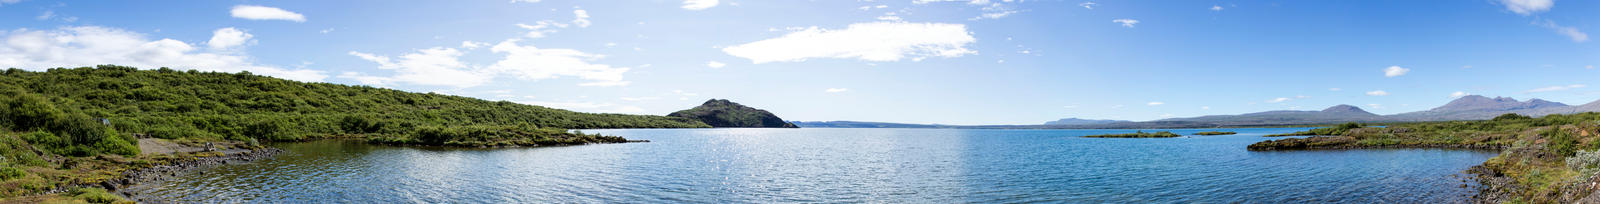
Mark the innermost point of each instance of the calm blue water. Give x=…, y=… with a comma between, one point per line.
x=840, y=165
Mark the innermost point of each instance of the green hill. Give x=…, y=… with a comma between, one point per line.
x=171, y=104
x=724, y=113
x=82, y=126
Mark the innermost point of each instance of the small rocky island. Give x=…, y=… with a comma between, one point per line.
x=724, y=113
x=1139, y=134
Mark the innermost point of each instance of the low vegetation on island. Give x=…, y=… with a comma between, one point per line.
x=1549, y=159
x=1215, y=133
x=70, y=127
x=1335, y=130
x=1138, y=134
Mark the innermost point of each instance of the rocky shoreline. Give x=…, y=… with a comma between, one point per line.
x=176, y=167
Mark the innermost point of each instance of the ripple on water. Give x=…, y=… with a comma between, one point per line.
x=839, y=165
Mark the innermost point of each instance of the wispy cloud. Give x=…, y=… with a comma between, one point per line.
x=1126, y=22
x=254, y=12
x=1528, y=7
x=1154, y=103
x=1569, y=31
x=1394, y=71
x=1459, y=94
x=836, y=90
x=1378, y=93
x=876, y=41
x=696, y=5
x=1555, y=88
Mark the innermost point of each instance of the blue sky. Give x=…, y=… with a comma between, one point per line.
x=912, y=61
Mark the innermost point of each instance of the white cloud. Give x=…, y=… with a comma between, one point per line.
x=46, y=15
x=1394, y=71
x=1154, y=103
x=91, y=45
x=229, y=37
x=1556, y=88
x=889, y=18
x=1087, y=5
x=437, y=66
x=699, y=4
x=1378, y=93
x=877, y=41
x=1589, y=67
x=995, y=11
x=1216, y=8
x=1375, y=106
x=1528, y=7
x=1126, y=22
x=1279, y=100
x=254, y=12
x=472, y=44
x=581, y=18
x=1459, y=94
x=1571, y=32
x=1205, y=107
x=715, y=64
x=836, y=90
x=1335, y=89
x=326, y=31
x=539, y=29
x=532, y=63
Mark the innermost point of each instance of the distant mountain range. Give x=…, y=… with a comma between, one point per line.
x=1476, y=107
x=1472, y=107
x=1077, y=121
x=858, y=124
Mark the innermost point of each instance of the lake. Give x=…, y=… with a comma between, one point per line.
x=840, y=165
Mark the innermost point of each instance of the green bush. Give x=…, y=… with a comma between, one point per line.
x=8, y=173
x=1561, y=141
x=95, y=195
x=1511, y=116
x=357, y=125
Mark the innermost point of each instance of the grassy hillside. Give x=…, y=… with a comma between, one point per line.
x=239, y=106
x=72, y=126
x=1550, y=159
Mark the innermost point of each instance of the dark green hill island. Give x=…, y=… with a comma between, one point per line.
x=724, y=113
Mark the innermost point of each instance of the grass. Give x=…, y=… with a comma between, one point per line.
x=1139, y=134
x=1534, y=151
x=1335, y=130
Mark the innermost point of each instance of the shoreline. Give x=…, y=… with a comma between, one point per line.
x=133, y=179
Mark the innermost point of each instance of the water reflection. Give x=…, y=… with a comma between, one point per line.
x=838, y=165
